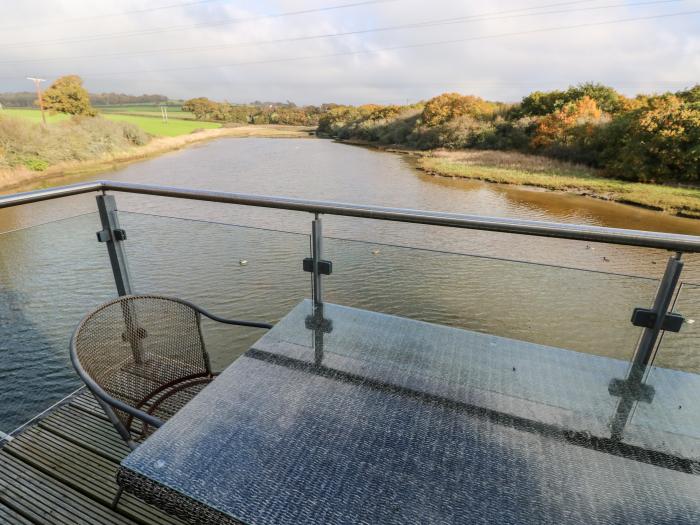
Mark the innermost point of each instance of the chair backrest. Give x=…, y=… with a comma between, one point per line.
x=136, y=347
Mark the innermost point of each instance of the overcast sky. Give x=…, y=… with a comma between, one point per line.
x=350, y=51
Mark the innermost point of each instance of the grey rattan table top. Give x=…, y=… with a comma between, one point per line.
x=359, y=417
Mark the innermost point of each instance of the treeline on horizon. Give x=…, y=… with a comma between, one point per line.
x=27, y=99
x=256, y=112
x=649, y=138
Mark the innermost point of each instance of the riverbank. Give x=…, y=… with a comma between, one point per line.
x=486, y=165
x=541, y=172
x=23, y=178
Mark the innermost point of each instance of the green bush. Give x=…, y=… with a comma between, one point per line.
x=657, y=143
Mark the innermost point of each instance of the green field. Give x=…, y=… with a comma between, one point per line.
x=140, y=117
x=155, y=126
x=147, y=110
x=33, y=114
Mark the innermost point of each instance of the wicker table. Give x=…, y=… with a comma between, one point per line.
x=348, y=416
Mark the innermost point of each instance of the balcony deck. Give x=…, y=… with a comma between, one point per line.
x=62, y=470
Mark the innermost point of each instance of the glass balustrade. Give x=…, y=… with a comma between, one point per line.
x=668, y=418
x=527, y=344
x=50, y=275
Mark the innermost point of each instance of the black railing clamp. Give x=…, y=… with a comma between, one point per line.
x=104, y=235
x=316, y=323
x=324, y=267
x=631, y=390
x=646, y=318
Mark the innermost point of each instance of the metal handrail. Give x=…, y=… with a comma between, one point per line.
x=665, y=241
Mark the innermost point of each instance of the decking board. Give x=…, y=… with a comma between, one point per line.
x=62, y=470
x=8, y=515
x=96, y=435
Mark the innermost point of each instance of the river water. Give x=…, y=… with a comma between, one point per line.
x=246, y=262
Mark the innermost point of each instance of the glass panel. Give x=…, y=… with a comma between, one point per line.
x=232, y=271
x=672, y=418
x=585, y=311
x=50, y=275
x=533, y=341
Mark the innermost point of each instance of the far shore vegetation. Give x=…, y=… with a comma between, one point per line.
x=588, y=139
x=531, y=170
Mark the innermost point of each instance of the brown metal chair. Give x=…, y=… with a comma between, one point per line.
x=143, y=357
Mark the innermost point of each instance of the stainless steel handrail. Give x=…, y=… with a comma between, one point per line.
x=665, y=241
x=18, y=199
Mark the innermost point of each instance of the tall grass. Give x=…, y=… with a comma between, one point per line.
x=29, y=144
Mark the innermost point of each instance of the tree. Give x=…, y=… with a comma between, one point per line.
x=67, y=95
x=449, y=106
x=606, y=98
x=690, y=95
x=658, y=142
x=540, y=103
x=568, y=125
x=202, y=107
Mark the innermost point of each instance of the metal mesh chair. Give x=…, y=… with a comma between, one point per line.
x=143, y=357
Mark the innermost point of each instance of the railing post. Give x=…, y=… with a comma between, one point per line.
x=113, y=236
x=647, y=343
x=316, y=249
x=662, y=303
x=318, y=267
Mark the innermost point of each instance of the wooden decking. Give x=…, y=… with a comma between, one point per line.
x=62, y=471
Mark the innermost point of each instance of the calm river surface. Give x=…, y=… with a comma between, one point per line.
x=567, y=294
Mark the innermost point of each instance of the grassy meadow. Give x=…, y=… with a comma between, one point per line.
x=33, y=115
x=146, y=117
x=156, y=126
x=147, y=110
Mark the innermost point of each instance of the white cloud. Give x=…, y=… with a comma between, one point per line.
x=644, y=55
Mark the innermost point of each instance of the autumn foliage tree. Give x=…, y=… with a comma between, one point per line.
x=448, y=106
x=67, y=95
x=542, y=103
x=657, y=142
x=572, y=122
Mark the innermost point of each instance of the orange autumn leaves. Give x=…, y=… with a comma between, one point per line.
x=449, y=106
x=574, y=121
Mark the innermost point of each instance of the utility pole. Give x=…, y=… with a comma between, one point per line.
x=38, y=81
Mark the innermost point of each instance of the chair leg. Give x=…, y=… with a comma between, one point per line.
x=116, y=499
